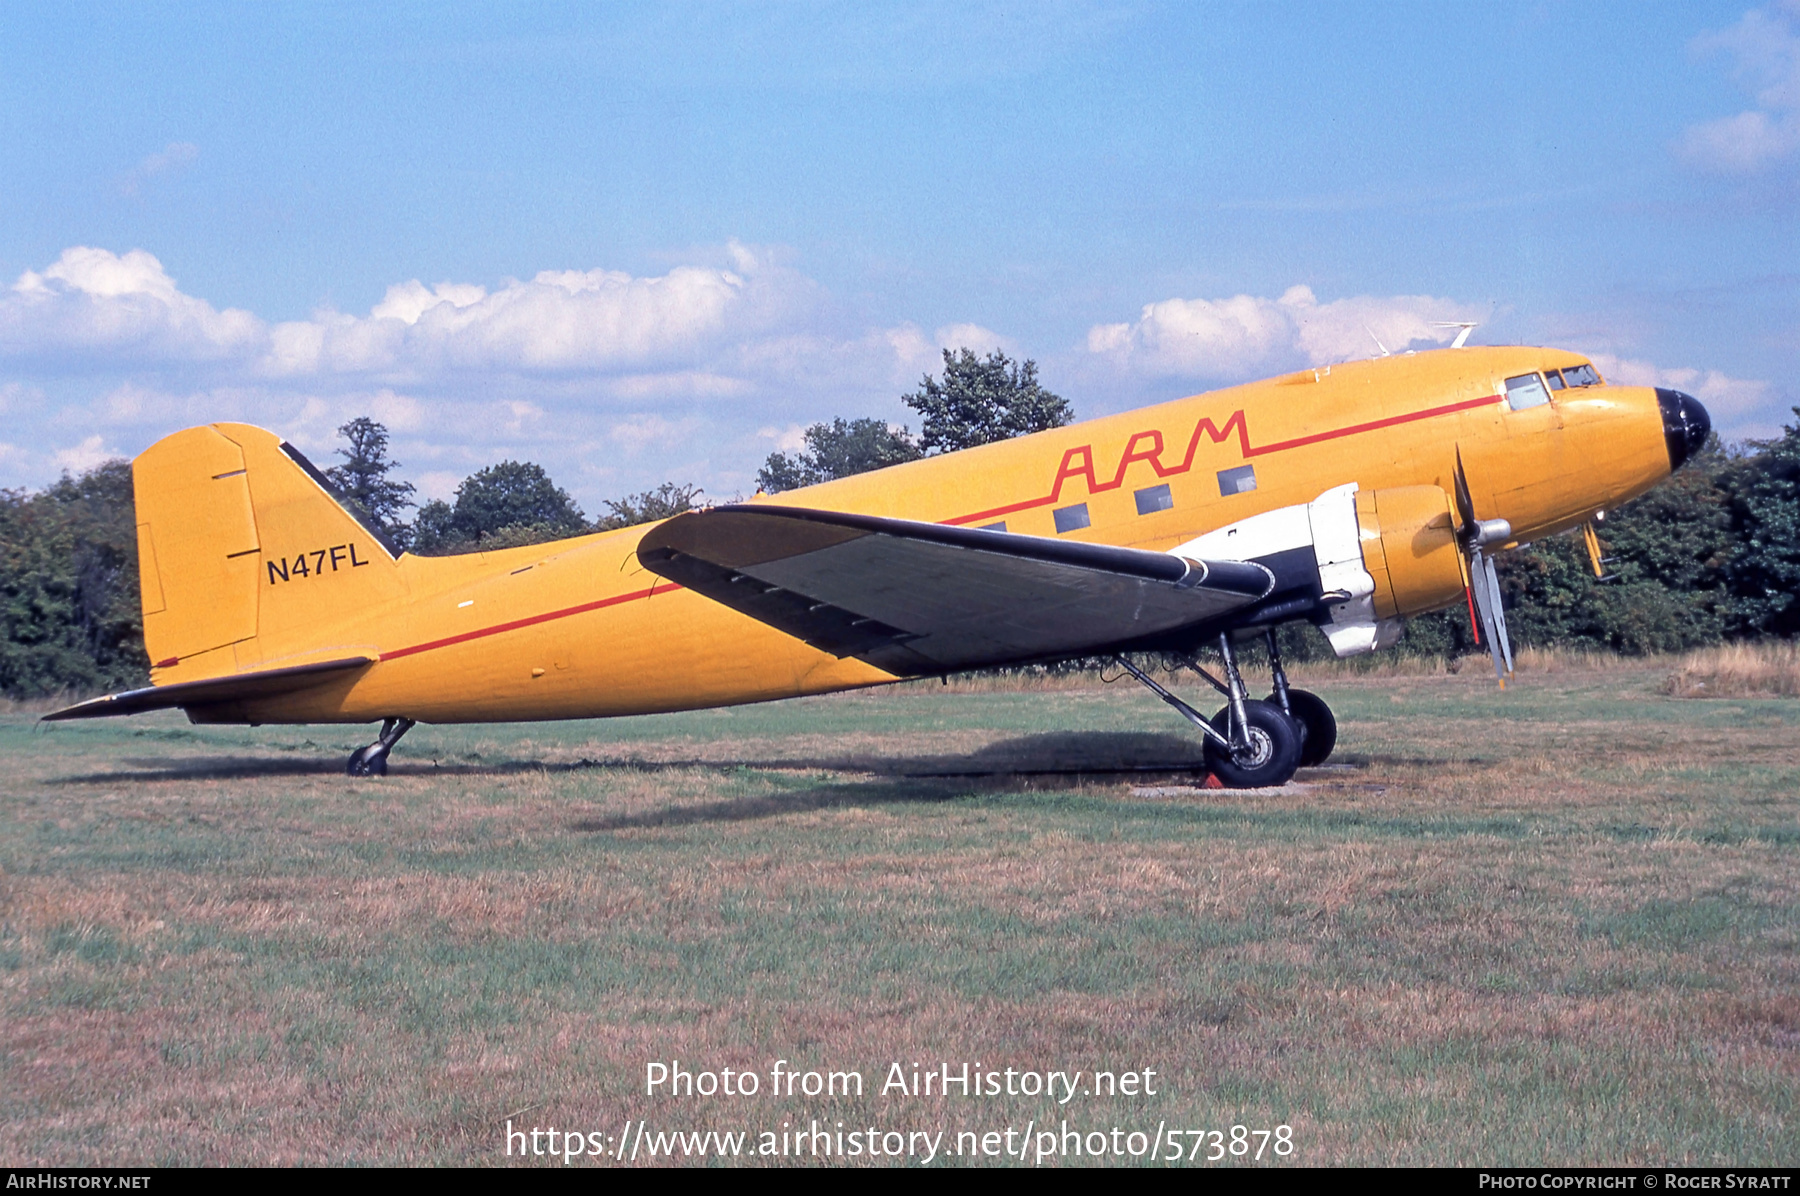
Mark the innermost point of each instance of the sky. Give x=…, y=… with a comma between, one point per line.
x=649, y=243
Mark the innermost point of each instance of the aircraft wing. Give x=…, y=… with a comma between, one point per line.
x=236, y=688
x=919, y=598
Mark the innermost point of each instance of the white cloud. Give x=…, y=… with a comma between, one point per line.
x=688, y=324
x=407, y=301
x=439, y=484
x=559, y=321
x=1739, y=406
x=639, y=369
x=974, y=337
x=174, y=158
x=18, y=396
x=790, y=439
x=678, y=384
x=1741, y=144
x=86, y=455
x=122, y=305
x=522, y=415
x=638, y=432
x=130, y=403
x=1249, y=334
x=1765, y=50
x=401, y=413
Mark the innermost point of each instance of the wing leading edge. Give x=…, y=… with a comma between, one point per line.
x=919, y=598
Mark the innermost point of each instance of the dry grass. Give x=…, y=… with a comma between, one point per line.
x=1552, y=925
x=1768, y=670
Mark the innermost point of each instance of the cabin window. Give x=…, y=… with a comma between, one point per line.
x=1581, y=375
x=1241, y=480
x=1152, y=499
x=1554, y=378
x=1527, y=390
x=1071, y=519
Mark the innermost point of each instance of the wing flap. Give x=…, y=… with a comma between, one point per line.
x=916, y=598
x=235, y=688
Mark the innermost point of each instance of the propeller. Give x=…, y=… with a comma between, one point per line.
x=1484, y=583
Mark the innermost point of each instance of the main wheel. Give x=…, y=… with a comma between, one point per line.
x=367, y=762
x=1272, y=755
x=1318, y=727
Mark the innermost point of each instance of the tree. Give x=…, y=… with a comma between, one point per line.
x=980, y=402
x=433, y=533
x=363, y=477
x=1765, y=572
x=665, y=502
x=838, y=450
x=70, y=615
x=511, y=503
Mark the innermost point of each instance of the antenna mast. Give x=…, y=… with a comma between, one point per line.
x=1462, y=338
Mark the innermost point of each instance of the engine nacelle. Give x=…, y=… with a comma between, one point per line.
x=1409, y=546
x=1356, y=564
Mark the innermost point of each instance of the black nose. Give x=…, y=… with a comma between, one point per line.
x=1685, y=425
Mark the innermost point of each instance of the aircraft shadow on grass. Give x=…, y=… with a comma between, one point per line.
x=1057, y=760
x=1071, y=754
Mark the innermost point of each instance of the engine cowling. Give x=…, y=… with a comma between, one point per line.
x=1409, y=546
x=1356, y=563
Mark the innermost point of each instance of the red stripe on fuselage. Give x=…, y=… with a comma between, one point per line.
x=533, y=620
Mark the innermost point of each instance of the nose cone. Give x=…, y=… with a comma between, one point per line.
x=1685, y=425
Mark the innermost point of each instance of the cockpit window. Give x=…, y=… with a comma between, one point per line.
x=1554, y=378
x=1581, y=375
x=1527, y=390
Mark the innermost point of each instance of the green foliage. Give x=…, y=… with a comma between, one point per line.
x=1553, y=599
x=515, y=498
x=70, y=617
x=838, y=450
x=1765, y=571
x=665, y=502
x=980, y=402
x=363, y=479
x=1709, y=553
x=433, y=533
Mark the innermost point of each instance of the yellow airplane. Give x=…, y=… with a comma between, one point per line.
x=1352, y=496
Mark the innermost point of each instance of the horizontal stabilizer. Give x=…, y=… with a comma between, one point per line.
x=239, y=687
x=918, y=598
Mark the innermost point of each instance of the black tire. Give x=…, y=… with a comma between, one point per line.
x=1318, y=726
x=1275, y=748
x=367, y=762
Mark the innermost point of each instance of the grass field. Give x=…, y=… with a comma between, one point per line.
x=1557, y=924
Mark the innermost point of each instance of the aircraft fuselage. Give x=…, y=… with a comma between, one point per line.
x=579, y=628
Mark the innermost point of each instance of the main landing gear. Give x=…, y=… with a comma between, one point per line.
x=1318, y=729
x=372, y=760
x=1252, y=744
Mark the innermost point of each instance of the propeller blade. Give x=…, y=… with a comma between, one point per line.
x=1485, y=588
x=1465, y=503
x=1484, y=582
x=1499, y=615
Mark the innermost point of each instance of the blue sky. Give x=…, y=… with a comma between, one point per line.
x=651, y=243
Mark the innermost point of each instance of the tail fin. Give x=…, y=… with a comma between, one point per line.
x=245, y=557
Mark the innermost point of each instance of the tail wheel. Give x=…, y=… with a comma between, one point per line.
x=1270, y=758
x=1318, y=726
x=368, y=762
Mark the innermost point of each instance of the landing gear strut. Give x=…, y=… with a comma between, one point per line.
x=372, y=760
x=1318, y=729
x=1249, y=744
